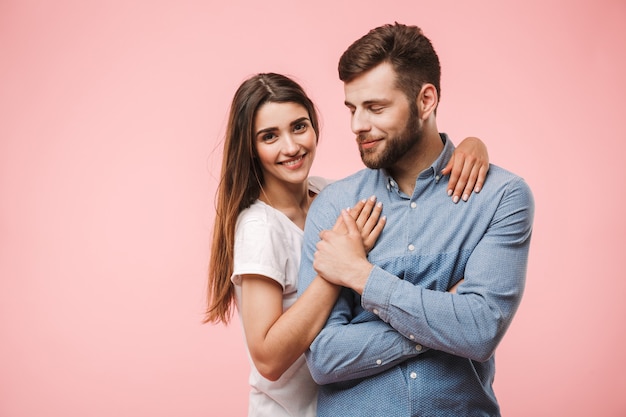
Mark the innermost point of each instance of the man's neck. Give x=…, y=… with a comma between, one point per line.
x=416, y=160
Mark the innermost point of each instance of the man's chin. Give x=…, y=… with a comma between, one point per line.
x=370, y=163
x=368, y=158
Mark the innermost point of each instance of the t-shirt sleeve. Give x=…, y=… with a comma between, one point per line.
x=317, y=184
x=259, y=249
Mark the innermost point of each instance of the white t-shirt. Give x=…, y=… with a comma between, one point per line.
x=269, y=244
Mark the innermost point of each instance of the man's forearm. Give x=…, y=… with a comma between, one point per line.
x=343, y=352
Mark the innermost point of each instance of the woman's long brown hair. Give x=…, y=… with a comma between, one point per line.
x=241, y=180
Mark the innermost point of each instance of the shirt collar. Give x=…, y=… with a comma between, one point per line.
x=444, y=157
x=433, y=171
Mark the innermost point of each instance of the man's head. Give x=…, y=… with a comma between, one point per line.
x=405, y=47
x=391, y=79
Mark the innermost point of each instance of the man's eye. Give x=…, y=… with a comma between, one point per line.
x=376, y=109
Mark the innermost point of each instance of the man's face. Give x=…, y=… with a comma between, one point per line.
x=385, y=122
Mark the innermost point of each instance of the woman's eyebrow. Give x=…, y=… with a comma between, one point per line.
x=299, y=120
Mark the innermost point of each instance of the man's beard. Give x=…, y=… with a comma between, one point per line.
x=395, y=147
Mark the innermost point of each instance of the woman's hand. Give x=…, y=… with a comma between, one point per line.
x=467, y=168
x=370, y=223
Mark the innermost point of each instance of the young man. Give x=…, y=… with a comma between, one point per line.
x=396, y=343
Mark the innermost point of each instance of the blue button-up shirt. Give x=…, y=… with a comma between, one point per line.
x=406, y=347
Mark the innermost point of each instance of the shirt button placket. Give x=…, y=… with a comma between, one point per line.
x=413, y=205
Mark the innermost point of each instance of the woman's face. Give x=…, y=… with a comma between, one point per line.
x=285, y=142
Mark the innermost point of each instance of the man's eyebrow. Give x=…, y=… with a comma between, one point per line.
x=369, y=102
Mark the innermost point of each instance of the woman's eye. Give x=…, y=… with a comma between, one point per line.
x=299, y=127
x=268, y=136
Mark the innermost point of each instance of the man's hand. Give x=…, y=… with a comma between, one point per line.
x=340, y=256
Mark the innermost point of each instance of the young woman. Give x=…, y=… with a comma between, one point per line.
x=262, y=202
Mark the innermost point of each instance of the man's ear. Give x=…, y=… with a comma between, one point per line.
x=427, y=101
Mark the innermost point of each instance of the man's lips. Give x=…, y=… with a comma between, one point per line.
x=369, y=143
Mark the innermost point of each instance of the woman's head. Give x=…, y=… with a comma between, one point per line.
x=239, y=149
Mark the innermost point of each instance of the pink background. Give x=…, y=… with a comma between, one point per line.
x=111, y=115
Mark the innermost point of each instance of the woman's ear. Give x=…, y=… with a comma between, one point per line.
x=427, y=101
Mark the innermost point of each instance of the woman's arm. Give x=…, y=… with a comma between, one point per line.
x=276, y=339
x=467, y=168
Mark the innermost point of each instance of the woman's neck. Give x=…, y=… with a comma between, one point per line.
x=293, y=200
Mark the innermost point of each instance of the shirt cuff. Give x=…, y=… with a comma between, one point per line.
x=376, y=298
x=377, y=292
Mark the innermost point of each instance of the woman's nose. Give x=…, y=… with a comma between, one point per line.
x=291, y=147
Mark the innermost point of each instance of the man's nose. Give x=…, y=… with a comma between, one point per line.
x=360, y=122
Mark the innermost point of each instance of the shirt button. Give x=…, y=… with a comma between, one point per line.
x=437, y=178
x=413, y=204
x=411, y=247
x=378, y=362
x=418, y=348
x=393, y=184
x=388, y=187
x=375, y=311
x=413, y=375
x=411, y=337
